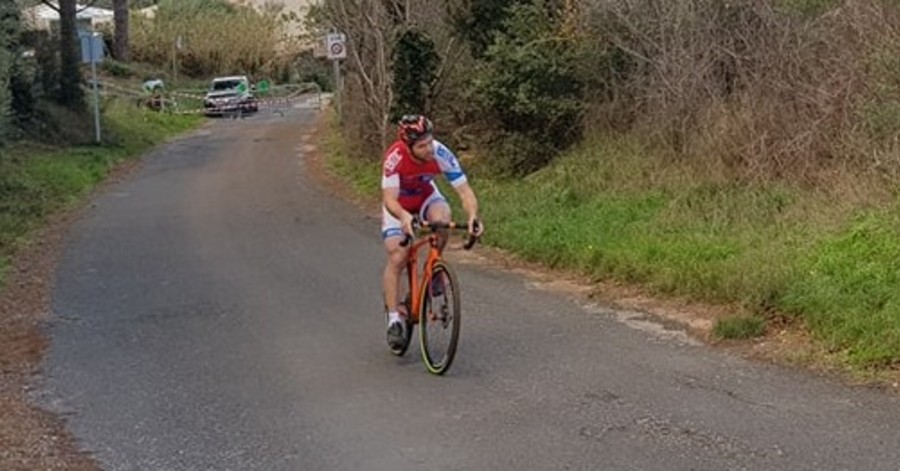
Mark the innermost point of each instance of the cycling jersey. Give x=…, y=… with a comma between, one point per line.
x=415, y=179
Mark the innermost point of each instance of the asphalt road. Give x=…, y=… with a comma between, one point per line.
x=220, y=310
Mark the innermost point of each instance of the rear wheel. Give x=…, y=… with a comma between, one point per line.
x=439, y=319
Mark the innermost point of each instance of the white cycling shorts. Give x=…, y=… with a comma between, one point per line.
x=392, y=227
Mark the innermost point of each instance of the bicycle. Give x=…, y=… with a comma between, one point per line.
x=438, y=281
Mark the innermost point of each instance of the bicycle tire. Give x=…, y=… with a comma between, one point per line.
x=425, y=321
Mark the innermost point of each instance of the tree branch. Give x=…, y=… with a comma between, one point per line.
x=451, y=57
x=52, y=6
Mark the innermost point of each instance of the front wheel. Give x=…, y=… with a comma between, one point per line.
x=439, y=319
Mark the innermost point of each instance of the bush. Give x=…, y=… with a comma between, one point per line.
x=47, y=66
x=774, y=89
x=116, y=68
x=56, y=124
x=8, y=40
x=478, y=21
x=529, y=91
x=310, y=69
x=5, y=96
x=414, y=69
x=217, y=37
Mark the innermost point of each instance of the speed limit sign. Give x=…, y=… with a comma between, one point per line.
x=335, y=44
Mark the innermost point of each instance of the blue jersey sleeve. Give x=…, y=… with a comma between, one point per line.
x=449, y=164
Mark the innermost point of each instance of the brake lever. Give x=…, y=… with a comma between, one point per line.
x=472, y=239
x=408, y=239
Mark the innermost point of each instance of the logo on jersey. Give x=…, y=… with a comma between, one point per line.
x=390, y=164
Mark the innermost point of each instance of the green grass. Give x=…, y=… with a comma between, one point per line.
x=614, y=212
x=849, y=289
x=36, y=181
x=611, y=214
x=363, y=177
x=739, y=327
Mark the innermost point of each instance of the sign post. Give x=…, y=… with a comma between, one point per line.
x=92, y=52
x=336, y=48
x=177, y=46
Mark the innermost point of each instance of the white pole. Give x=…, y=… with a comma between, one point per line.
x=174, y=62
x=337, y=87
x=96, y=91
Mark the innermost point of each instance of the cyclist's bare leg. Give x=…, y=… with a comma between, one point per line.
x=396, y=259
x=397, y=330
x=439, y=212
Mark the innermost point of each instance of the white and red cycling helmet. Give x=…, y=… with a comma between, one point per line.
x=413, y=128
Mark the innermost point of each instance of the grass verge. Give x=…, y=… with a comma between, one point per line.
x=364, y=178
x=740, y=327
x=36, y=181
x=613, y=211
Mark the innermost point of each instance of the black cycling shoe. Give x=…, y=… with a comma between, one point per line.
x=397, y=335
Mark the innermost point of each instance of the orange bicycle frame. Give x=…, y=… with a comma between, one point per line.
x=416, y=284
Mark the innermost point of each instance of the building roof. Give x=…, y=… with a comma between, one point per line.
x=44, y=12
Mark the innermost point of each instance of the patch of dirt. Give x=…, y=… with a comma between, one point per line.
x=785, y=343
x=31, y=438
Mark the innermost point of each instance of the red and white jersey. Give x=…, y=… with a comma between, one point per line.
x=416, y=180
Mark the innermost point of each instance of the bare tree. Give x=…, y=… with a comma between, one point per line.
x=370, y=27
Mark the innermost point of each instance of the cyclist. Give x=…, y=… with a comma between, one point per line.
x=409, y=191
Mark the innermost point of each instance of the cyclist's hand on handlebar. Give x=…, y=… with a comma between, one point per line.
x=408, y=224
x=476, y=227
x=407, y=221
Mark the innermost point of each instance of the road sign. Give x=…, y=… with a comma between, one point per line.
x=91, y=48
x=336, y=48
x=335, y=44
